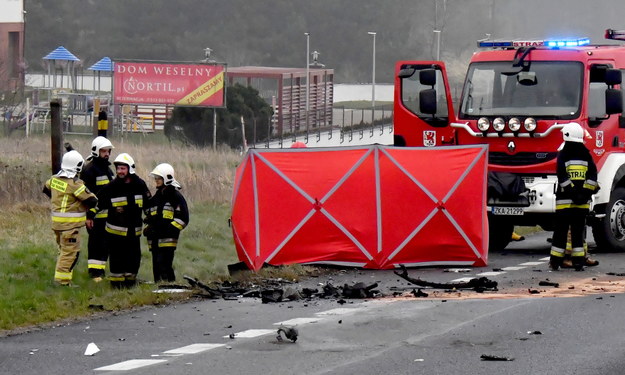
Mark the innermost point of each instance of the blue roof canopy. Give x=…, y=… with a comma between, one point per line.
x=104, y=65
x=61, y=53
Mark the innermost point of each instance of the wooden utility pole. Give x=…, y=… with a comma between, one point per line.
x=56, y=135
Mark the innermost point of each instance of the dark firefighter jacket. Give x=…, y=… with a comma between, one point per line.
x=124, y=203
x=577, y=177
x=166, y=214
x=97, y=174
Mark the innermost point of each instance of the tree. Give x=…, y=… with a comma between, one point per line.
x=194, y=125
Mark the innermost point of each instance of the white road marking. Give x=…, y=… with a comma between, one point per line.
x=339, y=311
x=513, y=268
x=531, y=264
x=457, y=270
x=298, y=321
x=250, y=333
x=193, y=348
x=490, y=273
x=545, y=258
x=131, y=364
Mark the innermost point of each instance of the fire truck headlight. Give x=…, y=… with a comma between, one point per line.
x=529, y=124
x=499, y=124
x=483, y=124
x=514, y=124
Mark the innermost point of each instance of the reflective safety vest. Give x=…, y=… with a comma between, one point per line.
x=66, y=202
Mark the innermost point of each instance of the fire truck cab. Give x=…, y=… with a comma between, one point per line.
x=517, y=95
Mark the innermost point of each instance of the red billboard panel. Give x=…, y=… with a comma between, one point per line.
x=169, y=83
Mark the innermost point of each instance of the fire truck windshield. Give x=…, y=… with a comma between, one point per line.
x=543, y=89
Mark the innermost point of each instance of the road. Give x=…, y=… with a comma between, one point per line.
x=576, y=328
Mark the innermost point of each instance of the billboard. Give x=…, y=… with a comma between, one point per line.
x=12, y=11
x=184, y=84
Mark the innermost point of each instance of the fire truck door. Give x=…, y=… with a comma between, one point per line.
x=423, y=105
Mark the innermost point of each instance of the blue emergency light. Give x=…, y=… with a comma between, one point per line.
x=568, y=42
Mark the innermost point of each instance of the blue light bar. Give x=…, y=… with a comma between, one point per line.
x=553, y=43
x=568, y=42
x=493, y=44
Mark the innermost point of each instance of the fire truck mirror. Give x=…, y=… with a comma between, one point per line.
x=427, y=77
x=427, y=101
x=613, y=101
x=612, y=77
x=526, y=78
x=406, y=72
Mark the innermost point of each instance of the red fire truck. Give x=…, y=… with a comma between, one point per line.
x=517, y=96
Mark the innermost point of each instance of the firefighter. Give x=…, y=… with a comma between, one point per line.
x=166, y=215
x=123, y=199
x=577, y=182
x=97, y=174
x=70, y=200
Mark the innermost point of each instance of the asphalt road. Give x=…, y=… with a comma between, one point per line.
x=575, y=328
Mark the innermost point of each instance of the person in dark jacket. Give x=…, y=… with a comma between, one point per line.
x=124, y=199
x=96, y=174
x=166, y=215
x=577, y=182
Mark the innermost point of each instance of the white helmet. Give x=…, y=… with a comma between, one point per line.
x=71, y=164
x=573, y=132
x=124, y=158
x=166, y=171
x=99, y=143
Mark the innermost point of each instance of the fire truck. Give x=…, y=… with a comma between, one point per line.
x=516, y=97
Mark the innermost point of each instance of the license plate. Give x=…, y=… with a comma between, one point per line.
x=507, y=211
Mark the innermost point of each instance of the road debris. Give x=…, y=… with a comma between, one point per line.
x=92, y=349
x=478, y=284
x=488, y=357
x=548, y=283
x=289, y=333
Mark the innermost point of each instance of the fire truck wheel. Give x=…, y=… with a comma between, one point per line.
x=609, y=233
x=499, y=233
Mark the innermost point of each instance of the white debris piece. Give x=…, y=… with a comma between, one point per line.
x=92, y=348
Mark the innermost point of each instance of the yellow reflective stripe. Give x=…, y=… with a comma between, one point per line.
x=113, y=229
x=117, y=278
x=63, y=275
x=80, y=190
x=168, y=214
x=557, y=253
x=139, y=200
x=589, y=186
x=102, y=214
x=177, y=225
x=101, y=182
x=64, y=203
x=58, y=219
x=58, y=185
x=119, y=204
x=96, y=266
x=167, y=242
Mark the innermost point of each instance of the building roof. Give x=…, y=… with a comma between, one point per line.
x=61, y=53
x=104, y=65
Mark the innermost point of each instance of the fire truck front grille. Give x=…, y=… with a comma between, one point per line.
x=521, y=158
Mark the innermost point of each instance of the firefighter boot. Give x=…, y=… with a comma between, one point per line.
x=578, y=263
x=555, y=263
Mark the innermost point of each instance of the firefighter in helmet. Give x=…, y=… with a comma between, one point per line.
x=577, y=182
x=166, y=215
x=96, y=174
x=70, y=200
x=123, y=199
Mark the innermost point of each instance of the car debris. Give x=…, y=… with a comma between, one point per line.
x=290, y=333
x=478, y=284
x=488, y=357
x=548, y=283
x=92, y=349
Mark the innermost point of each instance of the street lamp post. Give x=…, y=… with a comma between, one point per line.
x=438, y=44
x=307, y=79
x=373, y=81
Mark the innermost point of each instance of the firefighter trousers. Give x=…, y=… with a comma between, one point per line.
x=124, y=259
x=162, y=261
x=573, y=219
x=69, y=249
x=97, y=249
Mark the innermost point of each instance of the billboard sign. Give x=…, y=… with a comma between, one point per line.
x=12, y=11
x=183, y=84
